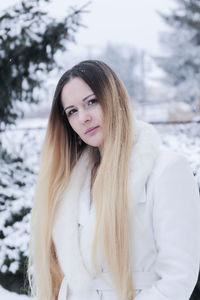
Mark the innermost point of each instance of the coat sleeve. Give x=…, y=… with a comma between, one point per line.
x=176, y=225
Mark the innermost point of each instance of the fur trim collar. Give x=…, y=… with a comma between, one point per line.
x=76, y=264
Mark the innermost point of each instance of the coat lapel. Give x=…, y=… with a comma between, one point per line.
x=144, y=152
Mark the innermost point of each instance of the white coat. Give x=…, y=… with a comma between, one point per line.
x=166, y=227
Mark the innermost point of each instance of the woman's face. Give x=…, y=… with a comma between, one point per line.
x=83, y=111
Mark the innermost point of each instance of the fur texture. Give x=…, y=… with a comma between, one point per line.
x=75, y=262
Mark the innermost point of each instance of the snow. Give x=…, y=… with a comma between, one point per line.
x=17, y=189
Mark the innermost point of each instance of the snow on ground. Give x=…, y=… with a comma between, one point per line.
x=184, y=139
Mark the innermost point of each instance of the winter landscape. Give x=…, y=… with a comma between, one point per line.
x=36, y=48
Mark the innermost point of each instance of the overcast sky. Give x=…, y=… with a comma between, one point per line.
x=133, y=22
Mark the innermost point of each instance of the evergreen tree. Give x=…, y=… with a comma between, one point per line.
x=16, y=192
x=124, y=61
x=29, y=40
x=181, y=62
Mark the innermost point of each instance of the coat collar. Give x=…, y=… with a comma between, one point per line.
x=144, y=152
x=75, y=265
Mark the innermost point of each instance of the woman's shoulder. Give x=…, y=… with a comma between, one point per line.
x=172, y=177
x=169, y=160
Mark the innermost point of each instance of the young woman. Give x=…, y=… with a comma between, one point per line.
x=114, y=216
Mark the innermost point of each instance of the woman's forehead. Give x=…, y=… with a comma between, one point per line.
x=75, y=91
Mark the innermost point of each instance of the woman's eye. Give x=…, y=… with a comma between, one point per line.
x=71, y=112
x=92, y=101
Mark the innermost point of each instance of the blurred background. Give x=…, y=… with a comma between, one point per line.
x=154, y=47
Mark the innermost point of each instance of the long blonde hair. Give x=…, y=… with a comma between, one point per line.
x=110, y=191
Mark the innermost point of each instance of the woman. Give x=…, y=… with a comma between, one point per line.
x=114, y=216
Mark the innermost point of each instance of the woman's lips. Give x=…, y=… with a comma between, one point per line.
x=91, y=130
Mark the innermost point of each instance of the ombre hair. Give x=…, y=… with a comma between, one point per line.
x=110, y=188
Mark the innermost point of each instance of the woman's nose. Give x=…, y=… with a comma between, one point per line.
x=84, y=116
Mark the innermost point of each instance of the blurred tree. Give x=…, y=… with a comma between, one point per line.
x=182, y=47
x=29, y=40
x=126, y=62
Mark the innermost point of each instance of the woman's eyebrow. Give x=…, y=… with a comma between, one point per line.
x=70, y=106
x=87, y=97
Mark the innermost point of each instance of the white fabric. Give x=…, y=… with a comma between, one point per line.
x=142, y=280
x=166, y=226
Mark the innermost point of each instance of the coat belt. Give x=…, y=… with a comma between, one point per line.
x=142, y=280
